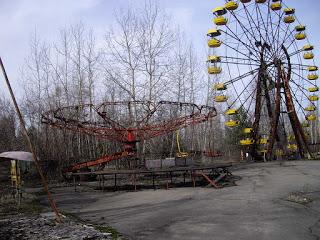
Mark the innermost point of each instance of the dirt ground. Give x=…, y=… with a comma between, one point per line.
x=270, y=201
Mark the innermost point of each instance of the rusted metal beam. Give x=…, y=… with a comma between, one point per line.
x=296, y=125
x=213, y=183
x=276, y=116
x=257, y=112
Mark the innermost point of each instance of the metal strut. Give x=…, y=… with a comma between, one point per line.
x=295, y=123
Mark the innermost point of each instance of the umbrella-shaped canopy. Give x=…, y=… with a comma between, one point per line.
x=17, y=155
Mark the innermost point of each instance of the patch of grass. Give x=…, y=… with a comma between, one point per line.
x=108, y=229
x=29, y=208
x=32, y=207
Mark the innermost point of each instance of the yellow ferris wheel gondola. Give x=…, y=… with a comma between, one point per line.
x=220, y=21
x=292, y=147
x=308, y=55
x=300, y=28
x=313, y=89
x=311, y=117
x=220, y=87
x=214, y=59
x=313, y=98
x=232, y=123
x=305, y=124
x=310, y=108
x=221, y=98
x=214, y=70
x=289, y=11
x=219, y=11
x=214, y=43
x=300, y=36
x=313, y=77
x=248, y=130
x=231, y=112
x=276, y=6
x=308, y=47
x=213, y=32
x=231, y=5
x=289, y=19
x=263, y=141
x=312, y=68
x=247, y=142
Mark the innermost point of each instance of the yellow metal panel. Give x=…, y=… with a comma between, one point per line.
x=308, y=55
x=220, y=21
x=220, y=87
x=289, y=11
x=312, y=68
x=214, y=43
x=232, y=112
x=300, y=28
x=292, y=147
x=214, y=58
x=289, y=19
x=219, y=10
x=300, y=36
x=308, y=47
x=313, y=89
x=276, y=6
x=263, y=141
x=313, y=98
x=279, y=152
x=311, y=117
x=247, y=142
x=310, y=108
x=232, y=123
x=291, y=137
x=248, y=130
x=313, y=77
x=214, y=70
x=214, y=32
x=231, y=5
x=221, y=98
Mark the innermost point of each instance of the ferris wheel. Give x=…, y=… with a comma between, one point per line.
x=263, y=67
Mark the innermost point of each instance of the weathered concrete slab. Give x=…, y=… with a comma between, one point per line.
x=258, y=208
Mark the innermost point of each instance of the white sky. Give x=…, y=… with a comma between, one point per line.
x=21, y=18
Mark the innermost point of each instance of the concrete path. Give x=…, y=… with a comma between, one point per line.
x=255, y=209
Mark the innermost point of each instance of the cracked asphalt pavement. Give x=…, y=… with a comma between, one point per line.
x=257, y=208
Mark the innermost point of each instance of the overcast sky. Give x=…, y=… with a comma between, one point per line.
x=21, y=18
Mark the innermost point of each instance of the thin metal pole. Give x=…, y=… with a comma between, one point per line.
x=74, y=183
x=30, y=145
x=102, y=183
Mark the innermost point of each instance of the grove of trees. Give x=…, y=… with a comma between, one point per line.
x=143, y=56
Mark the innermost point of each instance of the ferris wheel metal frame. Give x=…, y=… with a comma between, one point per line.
x=265, y=74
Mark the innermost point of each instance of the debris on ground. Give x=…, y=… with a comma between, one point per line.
x=31, y=221
x=299, y=197
x=42, y=227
